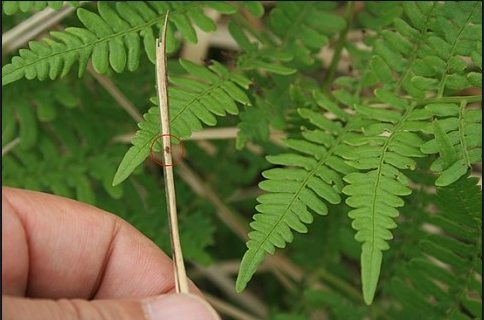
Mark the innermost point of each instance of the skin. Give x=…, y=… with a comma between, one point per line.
x=56, y=248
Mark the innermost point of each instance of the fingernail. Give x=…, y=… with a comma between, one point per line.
x=180, y=307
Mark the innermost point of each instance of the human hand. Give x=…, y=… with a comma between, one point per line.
x=63, y=259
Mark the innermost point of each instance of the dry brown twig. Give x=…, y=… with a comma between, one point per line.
x=181, y=282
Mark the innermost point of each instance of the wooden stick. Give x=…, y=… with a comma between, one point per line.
x=181, y=283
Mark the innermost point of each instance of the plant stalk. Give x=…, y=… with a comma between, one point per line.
x=181, y=282
x=329, y=75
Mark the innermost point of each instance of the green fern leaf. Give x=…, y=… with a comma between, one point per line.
x=375, y=192
x=205, y=23
x=55, y=162
x=149, y=130
x=458, y=140
x=452, y=256
x=417, y=60
x=304, y=27
x=46, y=102
x=192, y=102
x=241, y=38
x=452, y=39
x=373, y=218
x=221, y=6
x=268, y=111
x=446, y=149
x=254, y=7
x=432, y=61
x=272, y=67
x=11, y=7
x=254, y=124
x=111, y=39
x=379, y=14
x=315, y=176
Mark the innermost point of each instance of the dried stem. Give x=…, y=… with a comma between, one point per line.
x=227, y=309
x=181, y=283
x=226, y=284
x=30, y=28
x=9, y=146
x=117, y=94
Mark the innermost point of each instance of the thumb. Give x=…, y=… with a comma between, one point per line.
x=173, y=306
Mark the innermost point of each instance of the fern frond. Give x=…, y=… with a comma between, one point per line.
x=270, y=103
x=457, y=138
x=312, y=177
x=461, y=37
x=387, y=148
x=301, y=28
x=304, y=27
x=268, y=58
x=47, y=100
x=254, y=124
x=445, y=278
x=111, y=38
x=11, y=7
x=65, y=170
x=63, y=148
x=408, y=59
x=396, y=52
x=215, y=92
x=427, y=53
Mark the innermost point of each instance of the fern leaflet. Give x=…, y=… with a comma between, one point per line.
x=315, y=175
x=111, y=38
x=457, y=138
x=376, y=190
x=304, y=27
x=399, y=61
x=11, y=7
x=53, y=157
x=192, y=102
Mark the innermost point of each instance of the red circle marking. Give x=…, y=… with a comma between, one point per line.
x=161, y=163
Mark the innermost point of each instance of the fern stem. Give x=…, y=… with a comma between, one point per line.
x=117, y=95
x=462, y=138
x=419, y=102
x=30, y=28
x=228, y=309
x=455, y=99
x=226, y=284
x=329, y=75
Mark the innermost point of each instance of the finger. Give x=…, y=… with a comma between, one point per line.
x=175, y=306
x=59, y=248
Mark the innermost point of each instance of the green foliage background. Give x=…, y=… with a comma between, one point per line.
x=383, y=151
